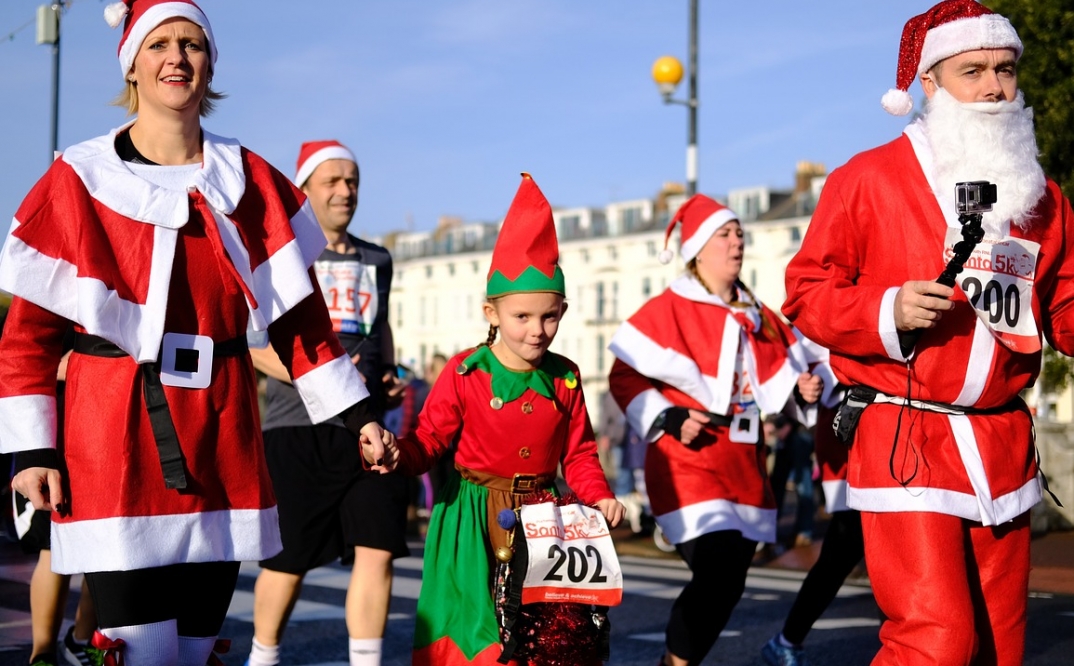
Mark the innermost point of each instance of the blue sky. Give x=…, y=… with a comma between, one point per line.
x=446, y=101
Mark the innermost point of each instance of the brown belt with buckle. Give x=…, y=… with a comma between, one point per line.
x=504, y=493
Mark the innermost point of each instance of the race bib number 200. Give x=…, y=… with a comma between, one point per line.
x=998, y=282
x=571, y=556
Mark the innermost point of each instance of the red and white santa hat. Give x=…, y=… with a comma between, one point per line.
x=701, y=217
x=949, y=28
x=141, y=17
x=313, y=153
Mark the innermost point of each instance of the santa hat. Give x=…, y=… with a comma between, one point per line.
x=141, y=17
x=526, y=256
x=313, y=153
x=949, y=28
x=700, y=217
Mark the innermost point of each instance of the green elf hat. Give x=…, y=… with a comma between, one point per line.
x=526, y=256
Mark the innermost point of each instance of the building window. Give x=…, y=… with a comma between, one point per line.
x=399, y=315
x=600, y=301
x=796, y=235
x=615, y=300
x=451, y=269
x=473, y=264
x=428, y=271
x=613, y=254
x=600, y=354
x=753, y=278
x=421, y=318
x=650, y=247
x=631, y=218
x=646, y=287
x=747, y=238
x=570, y=226
x=585, y=256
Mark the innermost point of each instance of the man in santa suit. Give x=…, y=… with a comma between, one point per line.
x=943, y=466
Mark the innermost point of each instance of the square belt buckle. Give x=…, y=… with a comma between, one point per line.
x=186, y=361
x=524, y=484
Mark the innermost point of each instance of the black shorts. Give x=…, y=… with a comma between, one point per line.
x=327, y=502
x=33, y=527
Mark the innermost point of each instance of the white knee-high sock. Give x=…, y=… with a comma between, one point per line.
x=264, y=655
x=365, y=651
x=195, y=651
x=155, y=644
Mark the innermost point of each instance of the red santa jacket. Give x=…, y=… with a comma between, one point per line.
x=96, y=246
x=879, y=224
x=680, y=349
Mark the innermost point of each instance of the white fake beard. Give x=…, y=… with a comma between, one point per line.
x=991, y=141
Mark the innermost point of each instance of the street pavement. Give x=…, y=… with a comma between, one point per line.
x=846, y=635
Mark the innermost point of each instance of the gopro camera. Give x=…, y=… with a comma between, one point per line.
x=975, y=197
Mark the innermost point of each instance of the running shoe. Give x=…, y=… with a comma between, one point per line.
x=78, y=654
x=777, y=654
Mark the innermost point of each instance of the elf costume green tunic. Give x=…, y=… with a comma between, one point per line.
x=504, y=423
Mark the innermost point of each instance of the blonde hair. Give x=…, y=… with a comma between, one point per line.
x=128, y=99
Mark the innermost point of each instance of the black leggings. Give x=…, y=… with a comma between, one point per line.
x=841, y=551
x=719, y=562
x=197, y=596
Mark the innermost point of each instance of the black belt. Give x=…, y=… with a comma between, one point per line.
x=156, y=404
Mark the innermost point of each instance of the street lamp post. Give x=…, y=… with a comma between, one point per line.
x=667, y=72
x=48, y=32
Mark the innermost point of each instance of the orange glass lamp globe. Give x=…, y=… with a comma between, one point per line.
x=667, y=72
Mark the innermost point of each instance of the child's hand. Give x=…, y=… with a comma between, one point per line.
x=378, y=448
x=612, y=509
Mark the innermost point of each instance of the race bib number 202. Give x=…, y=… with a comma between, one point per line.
x=571, y=556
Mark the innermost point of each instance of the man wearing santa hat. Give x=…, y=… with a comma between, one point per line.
x=942, y=464
x=329, y=506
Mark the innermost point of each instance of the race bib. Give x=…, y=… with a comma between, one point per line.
x=350, y=292
x=745, y=425
x=998, y=282
x=571, y=556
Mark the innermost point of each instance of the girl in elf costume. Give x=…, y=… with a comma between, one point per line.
x=694, y=369
x=517, y=412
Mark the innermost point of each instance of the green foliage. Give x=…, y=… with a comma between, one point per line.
x=1046, y=76
x=1056, y=371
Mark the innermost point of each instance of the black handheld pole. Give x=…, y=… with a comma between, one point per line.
x=974, y=199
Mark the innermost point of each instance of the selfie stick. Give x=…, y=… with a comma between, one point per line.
x=973, y=200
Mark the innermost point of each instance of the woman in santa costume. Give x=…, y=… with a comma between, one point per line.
x=162, y=245
x=695, y=368
x=516, y=413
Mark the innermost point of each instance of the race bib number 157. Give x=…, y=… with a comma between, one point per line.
x=571, y=556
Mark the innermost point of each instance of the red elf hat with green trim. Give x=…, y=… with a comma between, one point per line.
x=526, y=256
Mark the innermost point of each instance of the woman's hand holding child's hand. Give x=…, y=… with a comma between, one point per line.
x=379, y=449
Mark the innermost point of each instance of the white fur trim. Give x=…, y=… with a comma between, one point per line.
x=115, y=13
x=27, y=423
x=897, y=102
x=669, y=366
x=643, y=410
x=835, y=495
x=979, y=366
x=666, y=256
x=692, y=246
x=153, y=17
x=991, y=31
x=213, y=536
x=330, y=388
x=316, y=159
x=939, y=500
x=692, y=521
x=889, y=335
x=966, y=441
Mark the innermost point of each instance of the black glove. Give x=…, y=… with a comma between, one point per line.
x=671, y=420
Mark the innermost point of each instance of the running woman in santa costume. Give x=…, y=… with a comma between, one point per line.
x=943, y=466
x=517, y=413
x=695, y=368
x=162, y=244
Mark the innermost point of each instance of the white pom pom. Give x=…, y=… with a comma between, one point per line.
x=666, y=256
x=115, y=13
x=897, y=102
